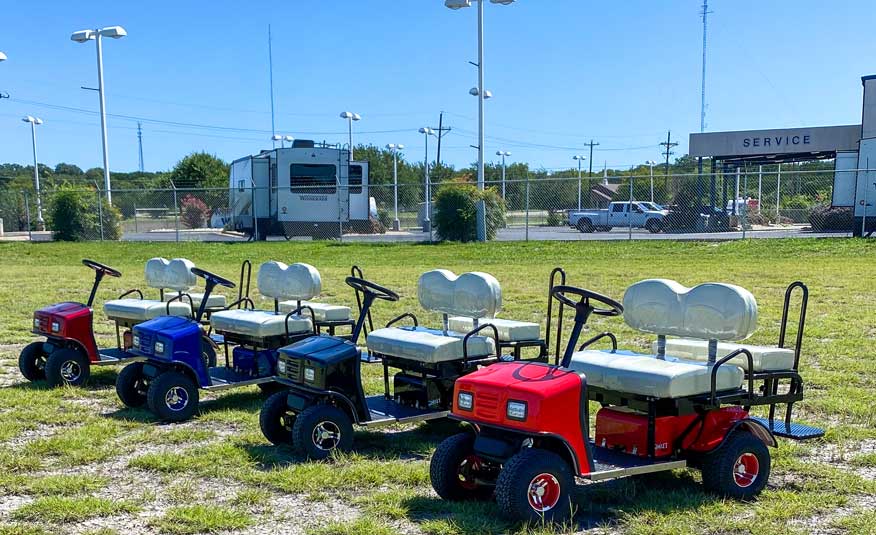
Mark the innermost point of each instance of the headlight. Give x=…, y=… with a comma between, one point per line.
x=309, y=374
x=159, y=348
x=136, y=341
x=465, y=400
x=281, y=366
x=516, y=410
x=56, y=326
x=36, y=323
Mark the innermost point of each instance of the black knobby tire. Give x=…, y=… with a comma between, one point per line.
x=276, y=420
x=321, y=429
x=172, y=396
x=67, y=366
x=584, y=225
x=32, y=362
x=208, y=353
x=454, y=467
x=721, y=468
x=526, y=470
x=653, y=226
x=132, y=386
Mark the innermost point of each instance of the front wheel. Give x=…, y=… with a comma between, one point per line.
x=653, y=226
x=276, y=420
x=132, y=386
x=32, y=362
x=455, y=470
x=67, y=366
x=173, y=397
x=321, y=429
x=535, y=486
x=584, y=225
x=739, y=469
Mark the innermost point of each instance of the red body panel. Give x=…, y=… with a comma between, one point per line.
x=627, y=431
x=75, y=322
x=717, y=424
x=553, y=399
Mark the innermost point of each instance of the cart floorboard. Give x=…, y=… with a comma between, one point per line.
x=608, y=464
x=385, y=411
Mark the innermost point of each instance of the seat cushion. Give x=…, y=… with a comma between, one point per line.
x=646, y=375
x=258, y=323
x=427, y=345
x=215, y=300
x=509, y=330
x=322, y=311
x=764, y=358
x=143, y=309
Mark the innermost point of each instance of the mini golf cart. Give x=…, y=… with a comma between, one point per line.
x=181, y=357
x=530, y=435
x=323, y=374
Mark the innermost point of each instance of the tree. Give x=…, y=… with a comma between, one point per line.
x=200, y=170
x=68, y=169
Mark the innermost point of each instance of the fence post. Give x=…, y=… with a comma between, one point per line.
x=136, y=230
x=100, y=213
x=778, y=192
x=27, y=215
x=759, y=188
x=864, y=211
x=526, y=208
x=630, y=210
x=176, y=210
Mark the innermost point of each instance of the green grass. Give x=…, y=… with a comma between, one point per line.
x=43, y=432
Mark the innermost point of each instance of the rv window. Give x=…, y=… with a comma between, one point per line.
x=240, y=185
x=312, y=178
x=355, y=179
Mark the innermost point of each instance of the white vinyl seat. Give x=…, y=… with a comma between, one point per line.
x=646, y=375
x=258, y=323
x=321, y=311
x=143, y=309
x=509, y=330
x=764, y=358
x=161, y=274
x=278, y=281
x=429, y=346
x=215, y=300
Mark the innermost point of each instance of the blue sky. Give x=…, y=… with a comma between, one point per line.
x=561, y=71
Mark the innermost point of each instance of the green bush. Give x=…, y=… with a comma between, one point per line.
x=556, y=218
x=825, y=218
x=194, y=212
x=455, y=212
x=74, y=216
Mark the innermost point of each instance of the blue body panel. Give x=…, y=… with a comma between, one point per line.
x=182, y=344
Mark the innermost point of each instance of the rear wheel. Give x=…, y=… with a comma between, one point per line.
x=173, y=397
x=535, y=485
x=208, y=353
x=584, y=225
x=132, y=386
x=653, y=226
x=276, y=420
x=321, y=429
x=739, y=469
x=455, y=470
x=32, y=362
x=67, y=366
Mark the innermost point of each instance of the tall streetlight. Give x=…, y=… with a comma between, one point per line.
x=394, y=149
x=83, y=36
x=350, y=117
x=651, y=164
x=580, y=160
x=503, y=154
x=282, y=139
x=481, y=94
x=427, y=221
x=34, y=121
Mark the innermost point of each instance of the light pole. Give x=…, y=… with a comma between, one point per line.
x=83, y=36
x=503, y=154
x=481, y=94
x=651, y=164
x=427, y=221
x=350, y=117
x=579, y=159
x=395, y=148
x=282, y=140
x=34, y=121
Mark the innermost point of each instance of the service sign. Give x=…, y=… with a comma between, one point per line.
x=782, y=141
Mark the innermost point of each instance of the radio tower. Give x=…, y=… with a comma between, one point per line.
x=140, y=143
x=705, y=14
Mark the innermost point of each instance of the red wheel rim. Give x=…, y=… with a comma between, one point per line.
x=544, y=492
x=467, y=470
x=745, y=470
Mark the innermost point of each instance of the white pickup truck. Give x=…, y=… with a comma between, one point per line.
x=618, y=214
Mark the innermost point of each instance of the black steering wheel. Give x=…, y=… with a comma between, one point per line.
x=560, y=292
x=212, y=277
x=100, y=268
x=369, y=287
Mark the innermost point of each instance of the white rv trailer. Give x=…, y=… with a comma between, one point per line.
x=307, y=189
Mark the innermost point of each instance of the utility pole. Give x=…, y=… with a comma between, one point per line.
x=140, y=144
x=271, y=82
x=590, y=172
x=441, y=131
x=669, y=145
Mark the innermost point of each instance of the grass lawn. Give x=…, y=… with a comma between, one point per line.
x=77, y=461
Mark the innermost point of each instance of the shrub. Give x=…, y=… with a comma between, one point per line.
x=385, y=218
x=193, y=212
x=73, y=216
x=556, y=218
x=455, y=212
x=831, y=218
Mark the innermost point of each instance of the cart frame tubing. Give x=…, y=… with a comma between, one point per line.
x=555, y=273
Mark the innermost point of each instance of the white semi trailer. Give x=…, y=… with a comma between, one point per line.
x=307, y=189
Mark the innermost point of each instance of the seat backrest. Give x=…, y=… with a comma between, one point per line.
x=472, y=295
x=298, y=281
x=710, y=311
x=173, y=274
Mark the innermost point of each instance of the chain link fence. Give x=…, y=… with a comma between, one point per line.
x=738, y=203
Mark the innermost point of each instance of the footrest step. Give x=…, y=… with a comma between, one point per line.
x=795, y=431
